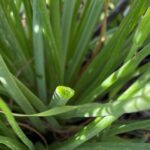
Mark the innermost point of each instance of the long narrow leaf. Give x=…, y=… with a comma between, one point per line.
x=15, y=126
x=107, y=61
x=126, y=70
x=9, y=83
x=39, y=52
x=81, y=47
x=114, y=146
x=141, y=34
x=11, y=143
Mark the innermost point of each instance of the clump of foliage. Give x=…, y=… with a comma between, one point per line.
x=64, y=84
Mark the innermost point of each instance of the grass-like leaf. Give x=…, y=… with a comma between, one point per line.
x=11, y=143
x=15, y=126
x=70, y=69
x=101, y=69
x=9, y=83
x=39, y=52
x=114, y=146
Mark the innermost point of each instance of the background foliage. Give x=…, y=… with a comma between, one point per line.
x=69, y=70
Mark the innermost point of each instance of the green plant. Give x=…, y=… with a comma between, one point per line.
x=44, y=54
